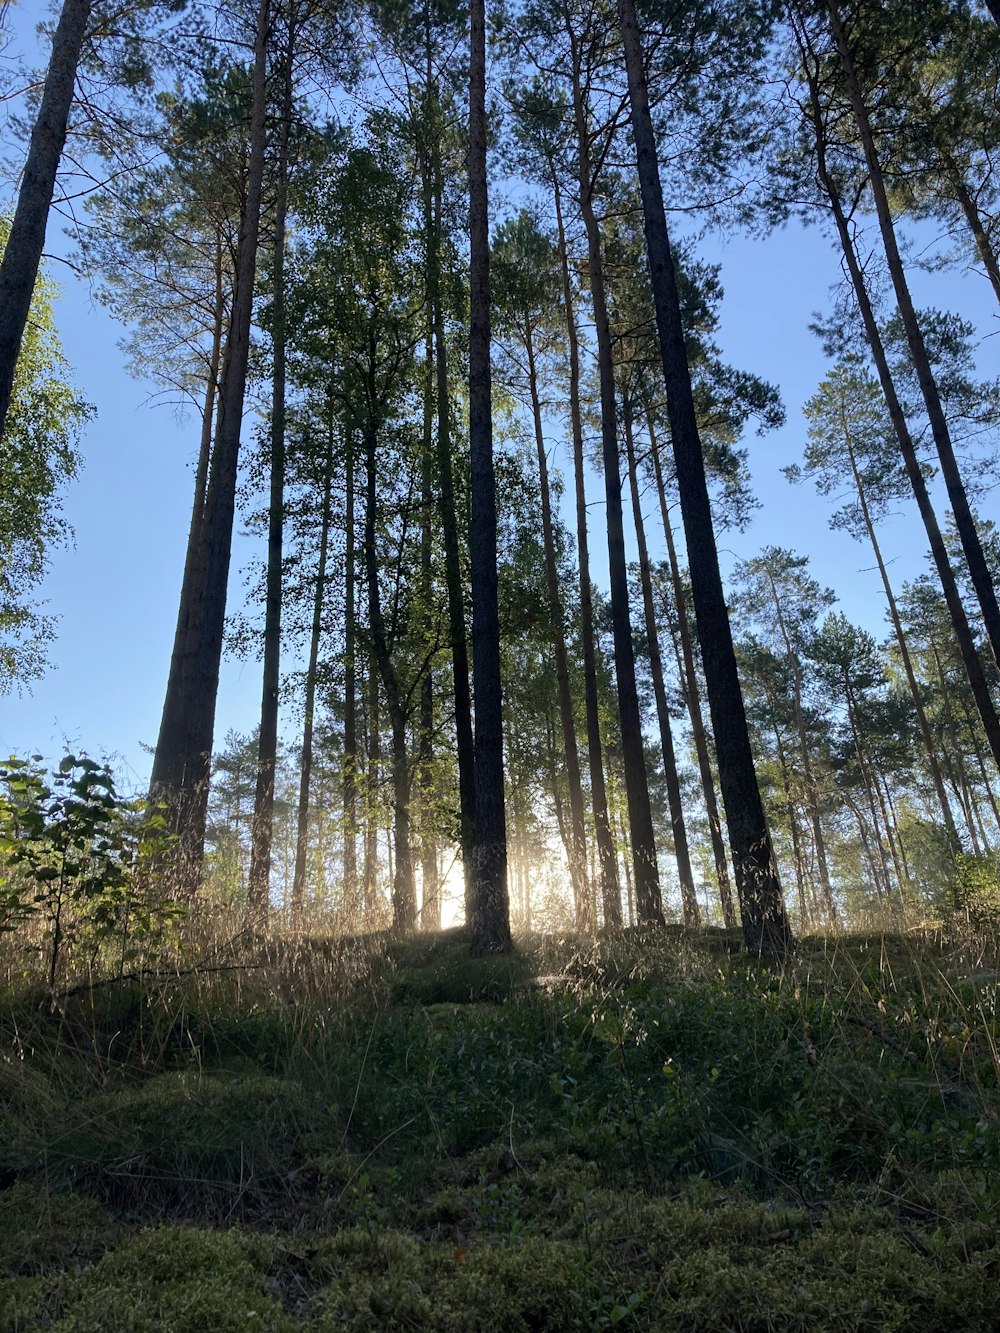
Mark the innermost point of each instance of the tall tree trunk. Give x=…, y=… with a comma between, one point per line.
x=373, y=741
x=611, y=894
x=490, y=921
x=430, y=897
x=305, y=771
x=182, y=762
x=462, y=692
x=645, y=871
x=765, y=925
x=576, y=845
x=904, y=653
x=352, y=762
x=953, y=599
x=685, y=877
x=978, y=568
x=692, y=697
x=960, y=188
x=809, y=781
x=23, y=252
x=404, y=898
x=258, y=885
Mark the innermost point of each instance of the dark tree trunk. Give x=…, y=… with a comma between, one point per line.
x=430, y=897
x=462, y=693
x=689, y=900
x=490, y=919
x=645, y=871
x=765, y=925
x=404, y=898
x=258, y=884
x=305, y=771
x=352, y=898
x=978, y=568
x=904, y=653
x=692, y=697
x=611, y=893
x=23, y=253
x=182, y=762
x=953, y=599
x=373, y=743
x=576, y=844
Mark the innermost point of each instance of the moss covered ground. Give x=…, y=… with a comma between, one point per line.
x=652, y=1131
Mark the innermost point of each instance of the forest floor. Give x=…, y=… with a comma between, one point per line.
x=652, y=1131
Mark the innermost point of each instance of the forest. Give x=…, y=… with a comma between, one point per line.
x=591, y=926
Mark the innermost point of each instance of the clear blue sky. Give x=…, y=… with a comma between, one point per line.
x=116, y=591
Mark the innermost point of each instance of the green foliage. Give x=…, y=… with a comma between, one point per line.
x=39, y=456
x=977, y=891
x=74, y=853
x=647, y=1132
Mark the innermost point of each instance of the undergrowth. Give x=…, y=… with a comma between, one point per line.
x=650, y=1130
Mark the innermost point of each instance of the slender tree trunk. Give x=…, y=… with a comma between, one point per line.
x=685, y=876
x=430, y=897
x=611, y=894
x=23, y=252
x=956, y=178
x=692, y=697
x=576, y=845
x=464, y=739
x=953, y=599
x=809, y=781
x=765, y=925
x=490, y=921
x=978, y=568
x=645, y=872
x=904, y=652
x=352, y=763
x=374, y=756
x=258, y=886
x=182, y=762
x=404, y=898
x=305, y=772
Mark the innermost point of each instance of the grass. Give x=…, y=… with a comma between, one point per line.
x=649, y=1131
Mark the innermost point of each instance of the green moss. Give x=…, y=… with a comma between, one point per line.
x=42, y=1231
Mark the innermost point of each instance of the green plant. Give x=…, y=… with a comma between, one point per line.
x=73, y=853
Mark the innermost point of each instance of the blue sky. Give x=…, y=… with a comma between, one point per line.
x=116, y=590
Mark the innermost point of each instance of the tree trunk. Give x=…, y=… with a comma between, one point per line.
x=953, y=599
x=611, y=893
x=352, y=764
x=692, y=697
x=23, y=253
x=576, y=844
x=305, y=772
x=182, y=762
x=404, y=898
x=430, y=896
x=765, y=925
x=978, y=568
x=464, y=739
x=644, y=869
x=490, y=919
x=904, y=652
x=374, y=756
x=685, y=877
x=258, y=886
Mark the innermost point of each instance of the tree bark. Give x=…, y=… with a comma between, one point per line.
x=611, y=893
x=23, y=252
x=978, y=568
x=645, y=873
x=685, y=877
x=692, y=698
x=490, y=920
x=305, y=771
x=576, y=844
x=953, y=599
x=182, y=762
x=765, y=925
x=258, y=884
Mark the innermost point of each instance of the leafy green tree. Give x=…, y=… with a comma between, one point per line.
x=38, y=457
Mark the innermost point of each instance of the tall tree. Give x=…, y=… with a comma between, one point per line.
x=765, y=925
x=490, y=923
